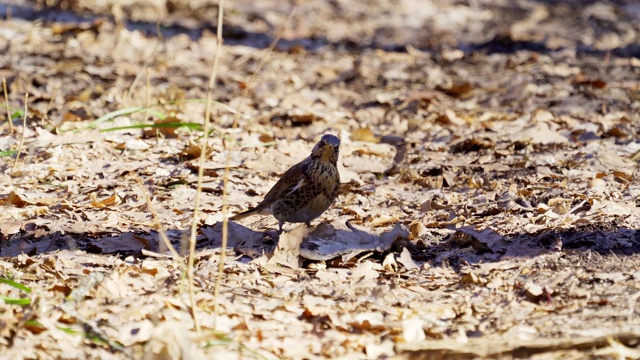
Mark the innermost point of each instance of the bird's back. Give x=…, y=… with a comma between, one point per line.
x=311, y=195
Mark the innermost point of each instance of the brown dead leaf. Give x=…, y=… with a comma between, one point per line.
x=75, y=115
x=416, y=229
x=302, y=118
x=364, y=134
x=193, y=150
x=581, y=79
x=456, y=89
x=383, y=219
x=105, y=203
x=620, y=131
x=20, y=199
x=471, y=278
x=624, y=177
x=35, y=328
x=449, y=117
x=266, y=138
x=167, y=127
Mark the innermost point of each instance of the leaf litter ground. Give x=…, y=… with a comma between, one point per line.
x=487, y=165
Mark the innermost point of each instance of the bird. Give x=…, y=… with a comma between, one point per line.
x=305, y=190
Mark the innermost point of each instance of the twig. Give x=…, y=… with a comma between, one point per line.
x=6, y=103
x=24, y=129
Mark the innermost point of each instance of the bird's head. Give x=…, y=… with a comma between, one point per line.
x=327, y=149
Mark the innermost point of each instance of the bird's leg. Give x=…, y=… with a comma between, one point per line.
x=308, y=223
x=280, y=223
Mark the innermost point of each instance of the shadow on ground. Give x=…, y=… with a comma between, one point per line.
x=564, y=18
x=459, y=248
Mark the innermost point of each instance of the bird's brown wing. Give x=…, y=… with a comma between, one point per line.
x=294, y=178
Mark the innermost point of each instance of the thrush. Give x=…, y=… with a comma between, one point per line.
x=306, y=189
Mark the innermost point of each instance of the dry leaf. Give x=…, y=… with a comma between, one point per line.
x=406, y=260
x=364, y=134
x=21, y=200
x=104, y=203
x=167, y=127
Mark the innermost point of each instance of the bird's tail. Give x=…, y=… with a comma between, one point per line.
x=245, y=214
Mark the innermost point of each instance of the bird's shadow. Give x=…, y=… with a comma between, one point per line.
x=322, y=242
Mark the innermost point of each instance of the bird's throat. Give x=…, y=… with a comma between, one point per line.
x=327, y=154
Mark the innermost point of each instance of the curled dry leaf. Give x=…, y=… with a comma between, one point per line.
x=623, y=176
x=456, y=89
x=534, y=291
x=193, y=150
x=406, y=260
x=167, y=127
x=383, y=219
x=288, y=252
x=104, y=203
x=328, y=241
x=390, y=263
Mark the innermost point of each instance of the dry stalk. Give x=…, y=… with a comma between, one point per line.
x=56, y=87
x=160, y=227
x=24, y=129
x=147, y=63
x=148, y=96
x=229, y=148
x=6, y=104
x=203, y=146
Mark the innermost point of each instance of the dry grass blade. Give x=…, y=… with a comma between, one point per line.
x=148, y=95
x=203, y=153
x=225, y=181
x=161, y=230
x=147, y=63
x=6, y=104
x=24, y=129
